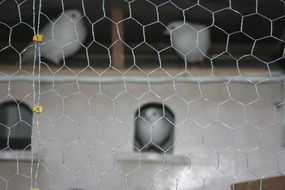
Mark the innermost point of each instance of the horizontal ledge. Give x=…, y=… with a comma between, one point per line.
x=276, y=183
x=150, y=157
x=24, y=156
x=139, y=79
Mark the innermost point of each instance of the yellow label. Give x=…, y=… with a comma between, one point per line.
x=35, y=189
x=38, y=109
x=38, y=38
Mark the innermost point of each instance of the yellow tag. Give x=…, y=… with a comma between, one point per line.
x=38, y=109
x=38, y=38
x=35, y=189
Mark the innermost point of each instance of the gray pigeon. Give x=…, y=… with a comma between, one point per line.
x=189, y=40
x=153, y=128
x=62, y=37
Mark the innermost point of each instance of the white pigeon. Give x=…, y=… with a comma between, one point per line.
x=152, y=128
x=188, y=39
x=62, y=37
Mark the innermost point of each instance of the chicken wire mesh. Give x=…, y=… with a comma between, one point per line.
x=206, y=128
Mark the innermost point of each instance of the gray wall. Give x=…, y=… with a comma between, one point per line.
x=229, y=134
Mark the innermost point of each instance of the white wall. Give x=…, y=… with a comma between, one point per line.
x=229, y=134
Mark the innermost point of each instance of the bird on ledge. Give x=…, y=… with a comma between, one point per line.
x=61, y=38
x=190, y=41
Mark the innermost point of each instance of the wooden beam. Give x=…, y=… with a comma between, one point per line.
x=118, y=57
x=274, y=183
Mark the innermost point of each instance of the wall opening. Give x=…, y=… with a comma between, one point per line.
x=154, y=128
x=15, y=126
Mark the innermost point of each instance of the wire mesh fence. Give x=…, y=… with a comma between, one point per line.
x=140, y=94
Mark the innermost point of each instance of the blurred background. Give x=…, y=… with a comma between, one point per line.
x=224, y=115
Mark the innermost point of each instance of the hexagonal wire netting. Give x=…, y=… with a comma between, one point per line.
x=140, y=94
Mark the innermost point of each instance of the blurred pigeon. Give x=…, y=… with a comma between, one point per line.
x=188, y=38
x=153, y=128
x=62, y=37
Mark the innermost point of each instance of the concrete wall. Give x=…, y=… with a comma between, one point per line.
x=228, y=134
